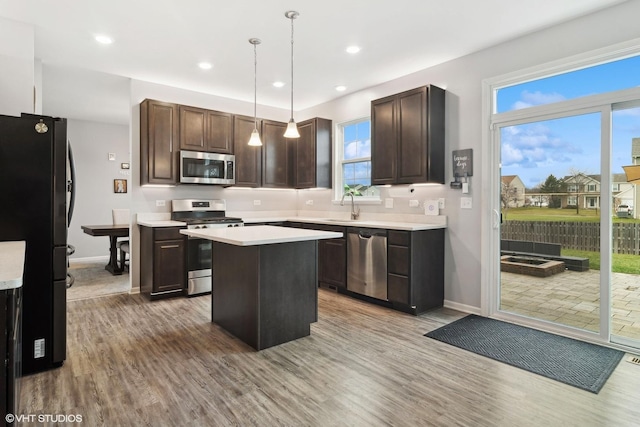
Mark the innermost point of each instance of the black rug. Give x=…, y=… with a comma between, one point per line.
x=580, y=364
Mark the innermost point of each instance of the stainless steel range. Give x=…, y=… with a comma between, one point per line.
x=201, y=214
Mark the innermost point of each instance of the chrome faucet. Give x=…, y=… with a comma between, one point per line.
x=355, y=212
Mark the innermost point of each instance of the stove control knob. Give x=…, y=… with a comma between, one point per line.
x=230, y=225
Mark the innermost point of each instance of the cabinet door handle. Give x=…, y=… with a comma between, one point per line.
x=169, y=246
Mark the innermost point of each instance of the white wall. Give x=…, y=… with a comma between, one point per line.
x=17, y=79
x=91, y=143
x=462, y=78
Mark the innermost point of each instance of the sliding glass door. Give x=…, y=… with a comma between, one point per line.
x=551, y=210
x=625, y=266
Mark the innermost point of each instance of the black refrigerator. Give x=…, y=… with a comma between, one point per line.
x=33, y=207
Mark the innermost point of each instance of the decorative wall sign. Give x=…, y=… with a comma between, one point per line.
x=463, y=163
x=119, y=185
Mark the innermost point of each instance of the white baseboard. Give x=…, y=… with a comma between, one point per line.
x=462, y=307
x=89, y=260
x=135, y=290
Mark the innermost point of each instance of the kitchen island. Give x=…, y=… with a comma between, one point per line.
x=264, y=287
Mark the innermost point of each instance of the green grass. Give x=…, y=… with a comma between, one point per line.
x=547, y=214
x=620, y=263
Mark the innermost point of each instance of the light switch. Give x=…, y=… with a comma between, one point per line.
x=466, y=203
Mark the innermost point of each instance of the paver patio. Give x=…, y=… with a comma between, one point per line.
x=573, y=298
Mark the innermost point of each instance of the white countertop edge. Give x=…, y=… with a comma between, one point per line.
x=260, y=235
x=11, y=264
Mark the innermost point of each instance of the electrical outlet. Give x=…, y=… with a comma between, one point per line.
x=441, y=203
x=160, y=203
x=309, y=202
x=414, y=204
x=388, y=203
x=465, y=203
x=257, y=202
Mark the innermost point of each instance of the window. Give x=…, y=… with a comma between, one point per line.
x=616, y=187
x=572, y=201
x=591, y=188
x=610, y=76
x=572, y=188
x=354, y=157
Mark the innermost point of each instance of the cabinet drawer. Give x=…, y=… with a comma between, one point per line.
x=169, y=233
x=398, y=260
x=400, y=238
x=398, y=288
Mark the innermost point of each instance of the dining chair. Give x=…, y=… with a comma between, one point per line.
x=122, y=217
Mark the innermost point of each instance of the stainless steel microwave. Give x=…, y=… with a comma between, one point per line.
x=207, y=168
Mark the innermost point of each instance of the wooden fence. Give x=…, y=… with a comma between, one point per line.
x=584, y=236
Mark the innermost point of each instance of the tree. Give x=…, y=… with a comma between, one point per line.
x=508, y=194
x=553, y=185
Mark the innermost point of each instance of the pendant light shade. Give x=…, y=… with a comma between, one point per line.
x=255, y=136
x=292, y=129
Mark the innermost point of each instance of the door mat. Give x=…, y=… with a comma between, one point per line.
x=577, y=363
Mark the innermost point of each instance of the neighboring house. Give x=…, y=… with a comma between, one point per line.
x=512, y=191
x=623, y=191
x=582, y=191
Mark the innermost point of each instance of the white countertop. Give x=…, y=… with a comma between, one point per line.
x=260, y=235
x=11, y=264
x=387, y=221
x=161, y=223
x=390, y=225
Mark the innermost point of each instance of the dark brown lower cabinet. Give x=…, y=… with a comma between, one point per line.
x=415, y=269
x=163, y=260
x=332, y=255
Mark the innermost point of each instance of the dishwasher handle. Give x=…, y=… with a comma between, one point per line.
x=365, y=233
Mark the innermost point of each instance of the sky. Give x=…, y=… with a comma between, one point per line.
x=536, y=150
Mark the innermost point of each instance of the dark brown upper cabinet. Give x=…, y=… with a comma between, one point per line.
x=407, y=137
x=311, y=154
x=206, y=130
x=275, y=155
x=248, y=159
x=159, y=149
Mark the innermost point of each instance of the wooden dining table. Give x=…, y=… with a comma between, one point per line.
x=113, y=232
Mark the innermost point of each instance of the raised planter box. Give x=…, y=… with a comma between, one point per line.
x=530, y=266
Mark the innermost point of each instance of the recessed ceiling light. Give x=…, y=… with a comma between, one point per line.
x=205, y=65
x=341, y=88
x=102, y=39
x=278, y=84
x=353, y=49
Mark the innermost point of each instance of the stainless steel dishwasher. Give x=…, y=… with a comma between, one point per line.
x=367, y=262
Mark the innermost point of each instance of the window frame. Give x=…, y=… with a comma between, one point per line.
x=605, y=103
x=339, y=161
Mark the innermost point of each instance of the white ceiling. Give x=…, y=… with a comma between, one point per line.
x=162, y=41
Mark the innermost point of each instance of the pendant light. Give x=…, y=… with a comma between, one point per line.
x=255, y=136
x=292, y=129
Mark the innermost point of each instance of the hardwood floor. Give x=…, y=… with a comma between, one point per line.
x=163, y=363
